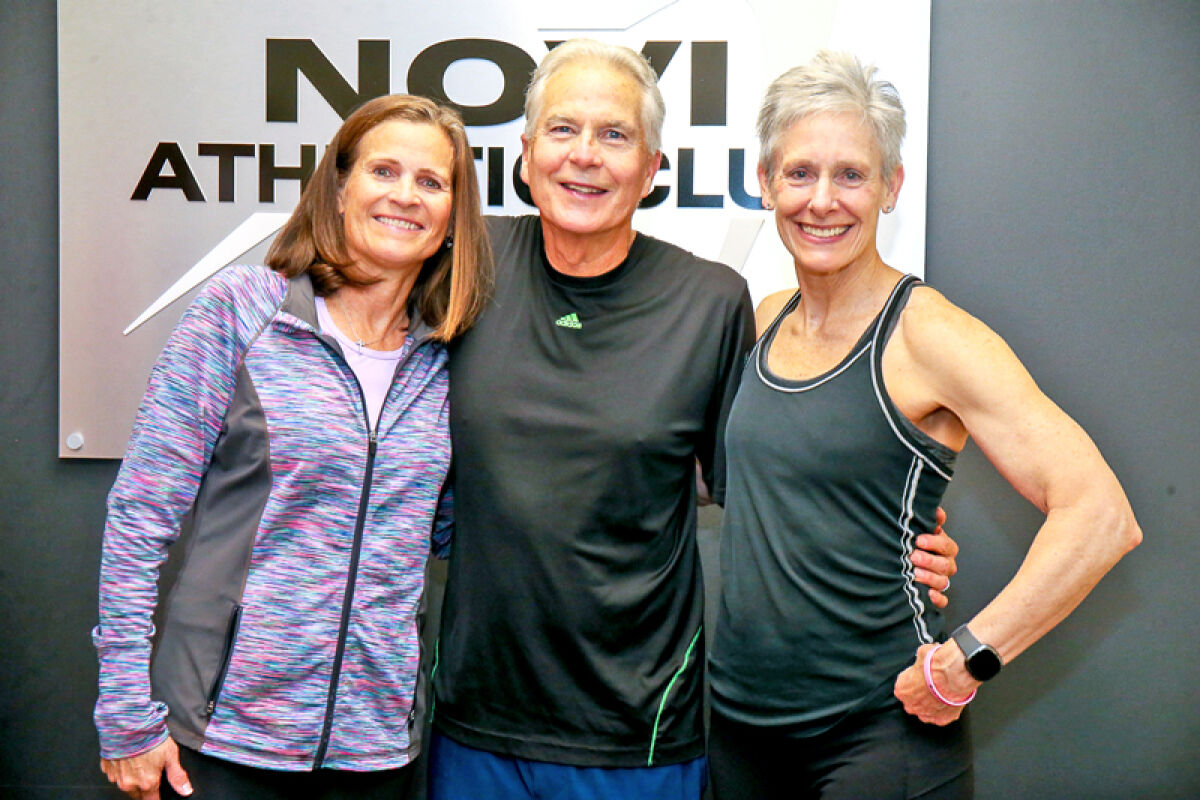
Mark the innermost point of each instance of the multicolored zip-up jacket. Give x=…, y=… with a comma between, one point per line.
x=290, y=638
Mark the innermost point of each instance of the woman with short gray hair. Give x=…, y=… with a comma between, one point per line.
x=863, y=387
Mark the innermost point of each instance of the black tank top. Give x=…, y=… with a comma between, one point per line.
x=828, y=487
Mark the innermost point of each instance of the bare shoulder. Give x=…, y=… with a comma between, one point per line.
x=931, y=324
x=769, y=308
x=953, y=350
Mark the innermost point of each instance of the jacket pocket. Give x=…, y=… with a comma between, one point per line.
x=214, y=691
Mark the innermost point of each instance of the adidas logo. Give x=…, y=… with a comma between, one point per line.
x=569, y=321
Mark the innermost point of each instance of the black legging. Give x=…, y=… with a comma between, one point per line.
x=217, y=778
x=886, y=755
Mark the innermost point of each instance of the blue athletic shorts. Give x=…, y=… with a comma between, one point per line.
x=458, y=772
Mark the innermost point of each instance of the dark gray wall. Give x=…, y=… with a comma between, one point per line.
x=1064, y=169
x=1063, y=198
x=50, y=511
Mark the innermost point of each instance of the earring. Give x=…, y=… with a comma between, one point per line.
x=768, y=206
x=449, y=243
x=887, y=209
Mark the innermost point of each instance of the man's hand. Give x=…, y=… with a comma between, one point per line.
x=934, y=562
x=139, y=776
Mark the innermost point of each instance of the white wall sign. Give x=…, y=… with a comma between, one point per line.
x=185, y=130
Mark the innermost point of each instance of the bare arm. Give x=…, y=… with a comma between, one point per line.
x=946, y=354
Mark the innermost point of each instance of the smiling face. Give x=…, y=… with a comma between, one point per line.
x=828, y=189
x=397, y=198
x=586, y=162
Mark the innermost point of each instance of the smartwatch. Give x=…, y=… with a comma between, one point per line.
x=983, y=662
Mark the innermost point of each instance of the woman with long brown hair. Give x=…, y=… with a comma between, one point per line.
x=295, y=431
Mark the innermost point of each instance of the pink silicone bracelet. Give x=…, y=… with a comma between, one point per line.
x=934, y=690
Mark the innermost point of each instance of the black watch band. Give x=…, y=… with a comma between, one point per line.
x=983, y=662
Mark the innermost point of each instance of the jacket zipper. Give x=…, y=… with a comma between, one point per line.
x=347, y=603
x=356, y=548
x=214, y=693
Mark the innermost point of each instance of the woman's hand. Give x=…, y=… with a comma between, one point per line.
x=934, y=562
x=912, y=690
x=139, y=776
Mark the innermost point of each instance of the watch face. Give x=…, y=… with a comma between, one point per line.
x=983, y=664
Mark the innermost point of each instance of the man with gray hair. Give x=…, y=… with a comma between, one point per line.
x=570, y=662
